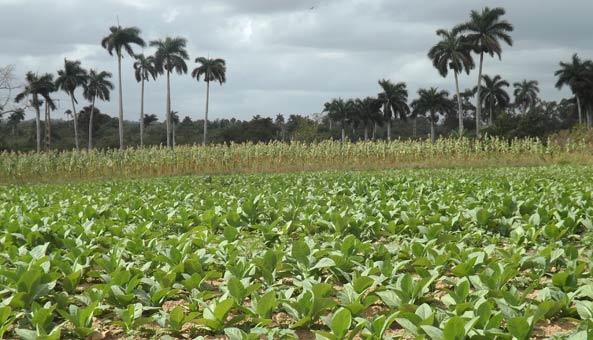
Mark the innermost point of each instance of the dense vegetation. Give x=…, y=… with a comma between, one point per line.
x=438, y=254
x=283, y=157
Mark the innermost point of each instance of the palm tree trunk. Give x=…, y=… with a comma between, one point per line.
x=75, y=122
x=490, y=118
x=389, y=129
x=47, y=128
x=366, y=132
x=579, y=109
x=168, y=108
x=121, y=106
x=142, y=114
x=37, y=122
x=459, y=105
x=343, y=131
x=479, y=96
x=91, y=124
x=433, y=136
x=330, y=124
x=374, y=130
x=414, y=129
x=206, y=113
x=173, y=133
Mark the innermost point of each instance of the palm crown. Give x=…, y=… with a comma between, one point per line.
x=485, y=30
x=493, y=92
x=45, y=86
x=577, y=74
x=394, y=99
x=32, y=88
x=452, y=52
x=170, y=55
x=210, y=69
x=121, y=39
x=144, y=68
x=71, y=77
x=431, y=102
x=98, y=85
x=526, y=93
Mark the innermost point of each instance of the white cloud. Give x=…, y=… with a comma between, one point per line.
x=170, y=15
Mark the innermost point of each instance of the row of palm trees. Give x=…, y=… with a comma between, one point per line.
x=170, y=57
x=482, y=35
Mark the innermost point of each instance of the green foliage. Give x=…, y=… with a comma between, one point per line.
x=441, y=254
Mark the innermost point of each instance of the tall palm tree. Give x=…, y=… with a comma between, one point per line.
x=395, y=102
x=174, y=122
x=339, y=111
x=14, y=119
x=48, y=87
x=576, y=75
x=366, y=110
x=526, y=94
x=212, y=70
x=452, y=52
x=119, y=40
x=69, y=78
x=144, y=69
x=484, y=32
x=432, y=102
x=33, y=89
x=170, y=56
x=98, y=86
x=493, y=94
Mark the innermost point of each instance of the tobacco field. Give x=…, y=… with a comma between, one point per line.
x=408, y=254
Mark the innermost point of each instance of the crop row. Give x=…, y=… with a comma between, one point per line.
x=286, y=157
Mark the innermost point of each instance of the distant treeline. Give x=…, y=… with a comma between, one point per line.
x=544, y=119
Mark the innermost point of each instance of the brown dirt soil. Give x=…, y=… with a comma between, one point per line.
x=546, y=329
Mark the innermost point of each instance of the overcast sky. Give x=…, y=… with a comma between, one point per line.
x=287, y=56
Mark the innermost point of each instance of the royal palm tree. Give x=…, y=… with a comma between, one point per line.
x=48, y=87
x=339, y=111
x=144, y=69
x=576, y=75
x=453, y=52
x=494, y=94
x=432, y=102
x=484, y=32
x=69, y=79
x=526, y=94
x=98, y=86
x=170, y=56
x=212, y=70
x=366, y=112
x=119, y=40
x=395, y=102
x=33, y=89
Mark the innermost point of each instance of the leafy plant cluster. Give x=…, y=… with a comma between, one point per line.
x=425, y=254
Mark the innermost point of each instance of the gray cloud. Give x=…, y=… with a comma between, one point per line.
x=283, y=56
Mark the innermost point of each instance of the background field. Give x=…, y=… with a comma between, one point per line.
x=273, y=157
